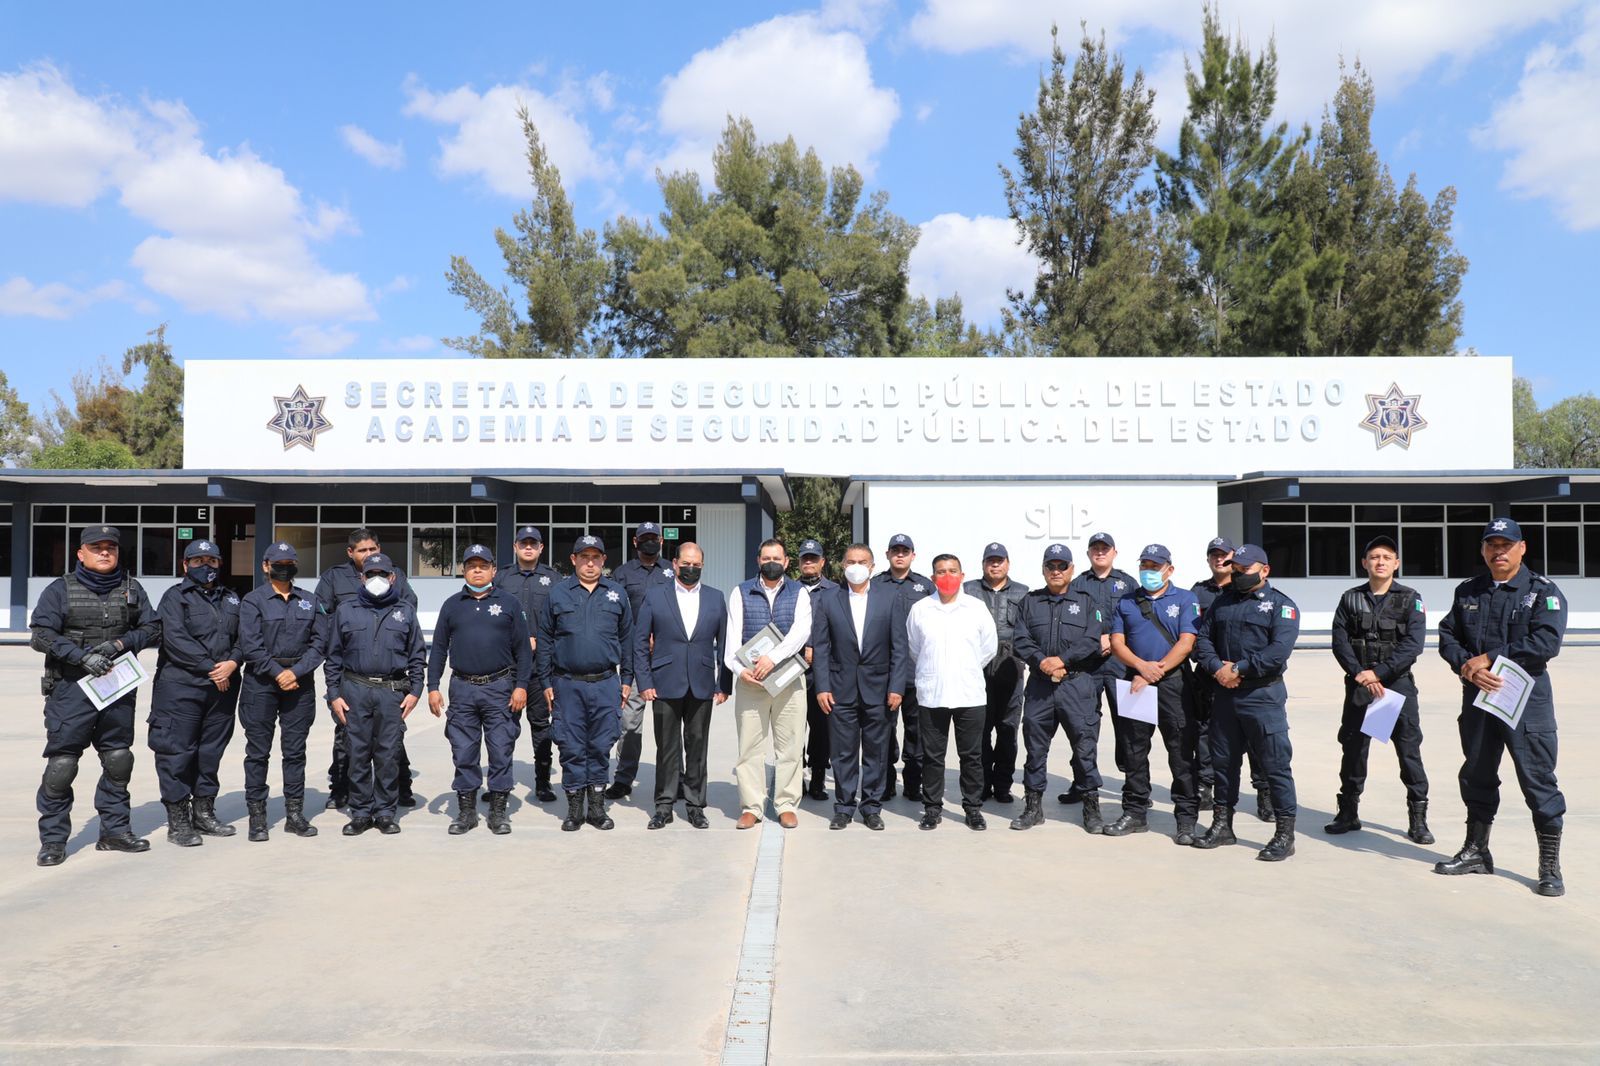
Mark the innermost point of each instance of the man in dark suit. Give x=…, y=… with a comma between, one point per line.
x=858, y=638
x=678, y=663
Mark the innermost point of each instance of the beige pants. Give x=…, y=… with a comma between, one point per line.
x=784, y=715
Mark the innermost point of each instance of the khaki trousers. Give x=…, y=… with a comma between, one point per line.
x=784, y=716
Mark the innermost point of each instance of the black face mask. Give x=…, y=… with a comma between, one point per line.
x=814, y=579
x=772, y=571
x=203, y=574
x=689, y=575
x=1244, y=582
x=283, y=571
x=649, y=546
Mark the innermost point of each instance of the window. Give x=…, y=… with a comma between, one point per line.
x=1563, y=538
x=5, y=550
x=153, y=535
x=426, y=540
x=562, y=524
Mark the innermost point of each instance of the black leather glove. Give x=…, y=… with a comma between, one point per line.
x=110, y=649
x=96, y=663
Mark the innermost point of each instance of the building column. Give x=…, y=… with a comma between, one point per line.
x=21, y=562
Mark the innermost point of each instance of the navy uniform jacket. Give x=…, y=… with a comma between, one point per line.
x=1004, y=605
x=1525, y=620
x=910, y=589
x=1407, y=630
x=1207, y=592
x=342, y=582
x=822, y=585
x=1048, y=626
x=199, y=629
x=530, y=587
x=481, y=636
x=864, y=675
x=1105, y=592
x=49, y=624
x=639, y=579
x=273, y=628
x=583, y=632
x=681, y=664
x=1255, y=631
x=382, y=639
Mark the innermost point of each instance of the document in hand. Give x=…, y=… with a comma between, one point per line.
x=766, y=638
x=124, y=676
x=1141, y=706
x=1382, y=714
x=1509, y=700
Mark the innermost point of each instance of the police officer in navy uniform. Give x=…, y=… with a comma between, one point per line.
x=1514, y=613
x=910, y=586
x=1105, y=584
x=1202, y=690
x=482, y=633
x=337, y=585
x=1244, y=642
x=1058, y=634
x=1378, y=632
x=584, y=663
x=283, y=635
x=637, y=576
x=193, y=701
x=530, y=582
x=376, y=662
x=1003, y=676
x=813, y=563
x=82, y=622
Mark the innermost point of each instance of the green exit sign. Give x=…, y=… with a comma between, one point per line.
x=185, y=532
x=670, y=533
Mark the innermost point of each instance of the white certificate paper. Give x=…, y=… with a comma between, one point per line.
x=1141, y=706
x=1382, y=713
x=124, y=676
x=766, y=638
x=1509, y=701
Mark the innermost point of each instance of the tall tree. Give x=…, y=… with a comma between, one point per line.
x=147, y=421
x=1565, y=435
x=78, y=452
x=557, y=265
x=16, y=425
x=816, y=513
x=941, y=330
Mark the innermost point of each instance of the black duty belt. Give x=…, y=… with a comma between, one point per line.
x=601, y=676
x=482, y=679
x=397, y=683
x=286, y=660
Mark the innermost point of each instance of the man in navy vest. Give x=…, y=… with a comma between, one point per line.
x=677, y=661
x=773, y=597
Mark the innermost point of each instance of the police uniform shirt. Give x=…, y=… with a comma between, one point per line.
x=1206, y=592
x=481, y=635
x=584, y=632
x=341, y=583
x=910, y=588
x=199, y=628
x=1254, y=630
x=1068, y=626
x=1105, y=592
x=1523, y=619
x=1176, y=612
x=1358, y=630
x=375, y=640
x=531, y=588
x=273, y=628
x=637, y=578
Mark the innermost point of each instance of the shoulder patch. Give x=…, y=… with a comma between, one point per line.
x=1098, y=617
x=1552, y=603
x=1419, y=607
x=1288, y=612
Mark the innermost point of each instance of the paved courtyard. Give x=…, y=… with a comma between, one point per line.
x=895, y=947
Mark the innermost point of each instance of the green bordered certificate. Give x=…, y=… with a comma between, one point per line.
x=1509, y=700
x=125, y=675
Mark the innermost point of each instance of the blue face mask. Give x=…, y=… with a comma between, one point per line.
x=480, y=588
x=1151, y=580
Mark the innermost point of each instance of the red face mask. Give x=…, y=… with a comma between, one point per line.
x=948, y=584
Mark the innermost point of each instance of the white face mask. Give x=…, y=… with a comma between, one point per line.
x=377, y=584
x=857, y=573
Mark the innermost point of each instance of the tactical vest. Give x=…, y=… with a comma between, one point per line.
x=93, y=619
x=1376, y=633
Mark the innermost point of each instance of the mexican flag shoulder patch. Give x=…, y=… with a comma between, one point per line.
x=1419, y=607
x=1552, y=603
x=1288, y=612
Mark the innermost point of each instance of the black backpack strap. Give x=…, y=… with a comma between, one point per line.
x=1148, y=609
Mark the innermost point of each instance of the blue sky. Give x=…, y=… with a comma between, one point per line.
x=292, y=180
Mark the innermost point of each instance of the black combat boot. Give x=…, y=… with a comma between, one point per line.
x=336, y=801
x=1221, y=831
x=931, y=816
x=499, y=820
x=294, y=818
x=1093, y=824
x=180, y=829
x=357, y=825
x=574, y=819
x=597, y=809
x=205, y=818
x=466, y=812
x=258, y=819
x=1474, y=857
x=123, y=841
x=1418, y=810
x=1032, y=810
x=1207, y=796
x=52, y=854
x=1128, y=822
x=1184, y=837
x=1550, y=883
x=541, y=782
x=1264, y=808
x=1281, y=846
x=1346, y=820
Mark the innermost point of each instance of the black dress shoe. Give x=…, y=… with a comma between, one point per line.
x=1070, y=796
x=839, y=821
x=52, y=854
x=975, y=821
x=407, y=799
x=386, y=825
x=659, y=820
x=1005, y=797
x=817, y=791
x=873, y=821
x=336, y=801
x=697, y=818
x=356, y=827
x=619, y=791
x=930, y=818
x=124, y=841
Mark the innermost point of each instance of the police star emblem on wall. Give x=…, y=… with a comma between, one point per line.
x=1393, y=417
x=299, y=418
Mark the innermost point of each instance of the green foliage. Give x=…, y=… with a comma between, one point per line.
x=942, y=331
x=816, y=514
x=78, y=452
x=16, y=425
x=1565, y=435
x=146, y=421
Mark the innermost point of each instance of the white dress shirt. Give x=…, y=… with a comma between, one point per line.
x=858, y=611
x=951, y=643
x=798, y=637
x=688, y=605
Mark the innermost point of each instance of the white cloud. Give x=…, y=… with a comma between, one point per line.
x=975, y=258
x=924, y=112
x=21, y=297
x=56, y=145
x=865, y=17
x=412, y=345
x=1551, y=128
x=380, y=154
x=320, y=340
x=791, y=76
x=487, y=141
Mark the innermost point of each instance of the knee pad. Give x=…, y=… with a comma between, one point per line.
x=118, y=764
x=59, y=772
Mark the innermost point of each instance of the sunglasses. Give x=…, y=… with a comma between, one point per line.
x=1056, y=568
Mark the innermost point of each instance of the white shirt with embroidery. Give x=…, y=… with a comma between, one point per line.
x=951, y=643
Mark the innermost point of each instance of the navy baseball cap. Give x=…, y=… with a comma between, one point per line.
x=1248, y=555
x=530, y=533
x=1502, y=527
x=96, y=534
x=588, y=540
x=647, y=529
x=478, y=551
x=1381, y=542
x=810, y=547
x=900, y=540
x=201, y=547
x=1156, y=553
x=1058, y=553
x=282, y=552
x=995, y=550
x=377, y=562
x=1102, y=538
x=1220, y=544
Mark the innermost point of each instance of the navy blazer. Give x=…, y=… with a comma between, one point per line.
x=864, y=676
x=681, y=664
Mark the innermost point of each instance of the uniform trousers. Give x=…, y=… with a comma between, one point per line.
x=191, y=722
x=1072, y=705
x=375, y=731
x=1178, y=735
x=1002, y=715
x=1255, y=718
x=1485, y=739
x=585, y=723
x=1406, y=739
x=263, y=709
x=480, y=719
x=71, y=725
x=630, y=746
